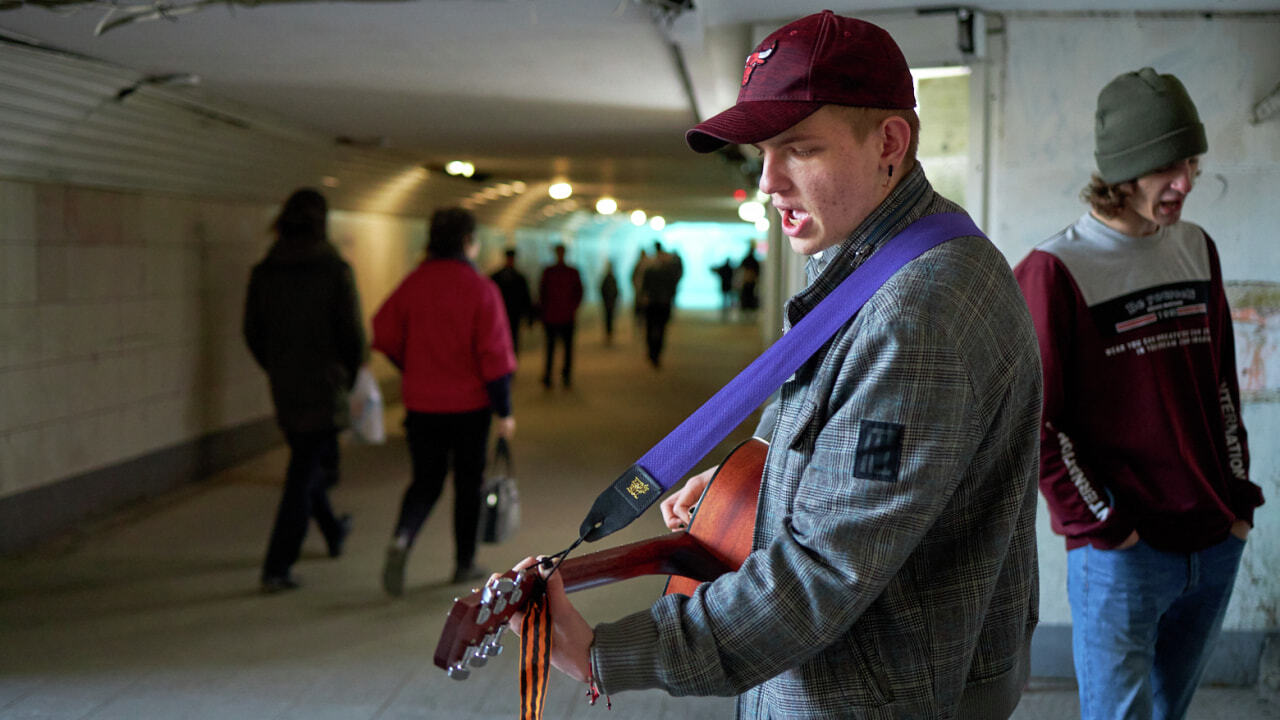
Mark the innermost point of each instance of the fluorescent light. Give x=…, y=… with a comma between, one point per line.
x=751, y=211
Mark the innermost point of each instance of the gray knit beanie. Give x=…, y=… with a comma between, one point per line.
x=1144, y=122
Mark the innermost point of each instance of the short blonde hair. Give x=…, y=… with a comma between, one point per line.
x=865, y=121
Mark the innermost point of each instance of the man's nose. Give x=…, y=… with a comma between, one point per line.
x=772, y=179
x=1185, y=179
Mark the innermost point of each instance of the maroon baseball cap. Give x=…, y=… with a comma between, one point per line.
x=822, y=59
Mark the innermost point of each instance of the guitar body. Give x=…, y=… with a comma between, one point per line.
x=717, y=541
x=725, y=517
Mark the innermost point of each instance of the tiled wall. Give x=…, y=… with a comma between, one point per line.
x=119, y=326
x=120, y=320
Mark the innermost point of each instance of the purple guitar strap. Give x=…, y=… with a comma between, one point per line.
x=676, y=454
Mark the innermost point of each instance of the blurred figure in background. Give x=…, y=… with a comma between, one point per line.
x=559, y=295
x=515, y=296
x=446, y=330
x=661, y=276
x=637, y=294
x=724, y=271
x=750, y=275
x=302, y=324
x=608, y=299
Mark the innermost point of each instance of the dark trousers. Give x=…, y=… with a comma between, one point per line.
x=435, y=441
x=609, y=309
x=563, y=333
x=656, y=317
x=313, y=469
x=515, y=333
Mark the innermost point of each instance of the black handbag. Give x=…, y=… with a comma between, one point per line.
x=500, y=501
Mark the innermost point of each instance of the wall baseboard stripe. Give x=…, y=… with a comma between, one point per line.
x=30, y=517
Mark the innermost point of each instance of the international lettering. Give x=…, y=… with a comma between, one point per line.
x=1231, y=430
x=1090, y=496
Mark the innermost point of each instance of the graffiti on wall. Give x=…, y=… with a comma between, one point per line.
x=1255, y=310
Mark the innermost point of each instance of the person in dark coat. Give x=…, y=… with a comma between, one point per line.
x=724, y=271
x=661, y=276
x=515, y=296
x=750, y=271
x=302, y=324
x=608, y=300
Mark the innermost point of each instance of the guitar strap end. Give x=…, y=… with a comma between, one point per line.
x=623, y=501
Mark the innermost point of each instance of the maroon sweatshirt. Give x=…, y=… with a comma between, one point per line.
x=1141, y=427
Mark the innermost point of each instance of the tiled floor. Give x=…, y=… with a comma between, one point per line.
x=154, y=611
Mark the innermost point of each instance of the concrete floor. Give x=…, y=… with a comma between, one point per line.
x=154, y=612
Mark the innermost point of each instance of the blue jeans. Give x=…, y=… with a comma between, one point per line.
x=1143, y=623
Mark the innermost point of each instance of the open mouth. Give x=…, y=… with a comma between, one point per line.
x=793, y=221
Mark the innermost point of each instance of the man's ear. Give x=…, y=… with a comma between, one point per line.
x=895, y=134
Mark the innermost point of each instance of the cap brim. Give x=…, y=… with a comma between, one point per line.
x=747, y=123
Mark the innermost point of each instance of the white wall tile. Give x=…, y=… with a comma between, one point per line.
x=17, y=271
x=19, y=335
x=17, y=212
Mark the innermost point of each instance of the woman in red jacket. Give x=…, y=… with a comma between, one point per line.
x=446, y=330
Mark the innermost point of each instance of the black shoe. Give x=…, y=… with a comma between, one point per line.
x=393, y=571
x=344, y=529
x=279, y=583
x=469, y=573
x=546, y=382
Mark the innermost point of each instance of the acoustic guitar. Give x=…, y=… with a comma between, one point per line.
x=717, y=540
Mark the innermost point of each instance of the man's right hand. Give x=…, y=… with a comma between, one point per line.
x=505, y=428
x=1129, y=541
x=677, y=510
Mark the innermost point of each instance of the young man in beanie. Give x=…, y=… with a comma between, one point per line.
x=893, y=571
x=1144, y=460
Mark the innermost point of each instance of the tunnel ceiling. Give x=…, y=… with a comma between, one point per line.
x=596, y=92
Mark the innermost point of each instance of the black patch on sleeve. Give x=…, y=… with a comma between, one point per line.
x=879, y=451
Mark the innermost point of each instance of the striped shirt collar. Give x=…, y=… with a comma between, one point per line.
x=907, y=202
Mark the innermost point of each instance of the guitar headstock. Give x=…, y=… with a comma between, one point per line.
x=473, y=631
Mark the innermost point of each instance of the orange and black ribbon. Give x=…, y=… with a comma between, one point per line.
x=535, y=654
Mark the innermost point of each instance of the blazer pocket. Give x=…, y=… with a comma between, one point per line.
x=870, y=684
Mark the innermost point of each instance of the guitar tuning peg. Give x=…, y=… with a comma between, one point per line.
x=459, y=672
x=492, y=646
x=474, y=657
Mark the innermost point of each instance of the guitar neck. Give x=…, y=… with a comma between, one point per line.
x=674, y=554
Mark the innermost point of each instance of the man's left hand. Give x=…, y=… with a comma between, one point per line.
x=571, y=635
x=1240, y=529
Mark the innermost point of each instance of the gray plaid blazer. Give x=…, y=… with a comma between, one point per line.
x=894, y=569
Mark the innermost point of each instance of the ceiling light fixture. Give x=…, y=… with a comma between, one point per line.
x=560, y=191
x=638, y=218
x=606, y=205
x=460, y=168
x=657, y=222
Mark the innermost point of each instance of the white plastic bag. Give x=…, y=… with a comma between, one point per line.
x=366, y=409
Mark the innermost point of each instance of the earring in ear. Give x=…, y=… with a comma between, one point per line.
x=890, y=171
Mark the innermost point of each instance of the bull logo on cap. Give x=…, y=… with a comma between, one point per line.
x=756, y=59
